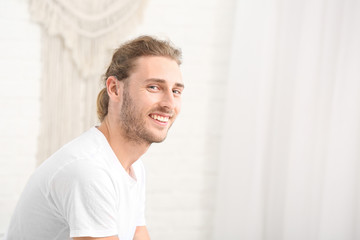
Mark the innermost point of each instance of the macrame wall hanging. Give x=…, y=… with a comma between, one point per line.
x=78, y=38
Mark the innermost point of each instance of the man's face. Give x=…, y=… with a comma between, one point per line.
x=151, y=99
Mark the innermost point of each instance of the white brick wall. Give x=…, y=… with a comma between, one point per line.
x=182, y=170
x=19, y=102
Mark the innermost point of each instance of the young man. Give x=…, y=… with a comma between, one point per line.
x=94, y=187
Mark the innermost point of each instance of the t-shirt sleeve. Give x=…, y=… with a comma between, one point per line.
x=85, y=197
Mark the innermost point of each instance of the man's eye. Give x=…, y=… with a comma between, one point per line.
x=153, y=87
x=177, y=92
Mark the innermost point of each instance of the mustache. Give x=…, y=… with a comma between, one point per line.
x=163, y=110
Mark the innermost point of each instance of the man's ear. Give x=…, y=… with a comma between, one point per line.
x=114, y=88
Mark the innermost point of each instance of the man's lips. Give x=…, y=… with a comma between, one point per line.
x=159, y=117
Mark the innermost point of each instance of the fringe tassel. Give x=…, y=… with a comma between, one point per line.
x=78, y=37
x=88, y=32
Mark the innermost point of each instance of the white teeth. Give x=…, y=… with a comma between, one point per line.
x=160, y=118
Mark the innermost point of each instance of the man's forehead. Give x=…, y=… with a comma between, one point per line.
x=157, y=68
x=150, y=61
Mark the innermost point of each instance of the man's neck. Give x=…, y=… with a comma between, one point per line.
x=126, y=151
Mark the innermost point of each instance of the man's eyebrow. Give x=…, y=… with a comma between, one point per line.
x=159, y=80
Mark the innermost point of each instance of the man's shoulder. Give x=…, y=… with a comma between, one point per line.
x=82, y=171
x=85, y=144
x=83, y=153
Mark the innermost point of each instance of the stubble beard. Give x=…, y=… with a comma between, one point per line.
x=134, y=125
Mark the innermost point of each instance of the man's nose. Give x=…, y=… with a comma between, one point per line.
x=168, y=100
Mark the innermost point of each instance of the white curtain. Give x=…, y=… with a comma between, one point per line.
x=290, y=154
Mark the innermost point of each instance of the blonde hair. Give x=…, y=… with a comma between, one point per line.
x=122, y=63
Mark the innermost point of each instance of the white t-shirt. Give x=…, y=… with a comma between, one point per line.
x=81, y=190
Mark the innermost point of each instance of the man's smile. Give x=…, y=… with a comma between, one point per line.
x=160, y=118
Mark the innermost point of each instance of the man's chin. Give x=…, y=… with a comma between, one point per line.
x=158, y=139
